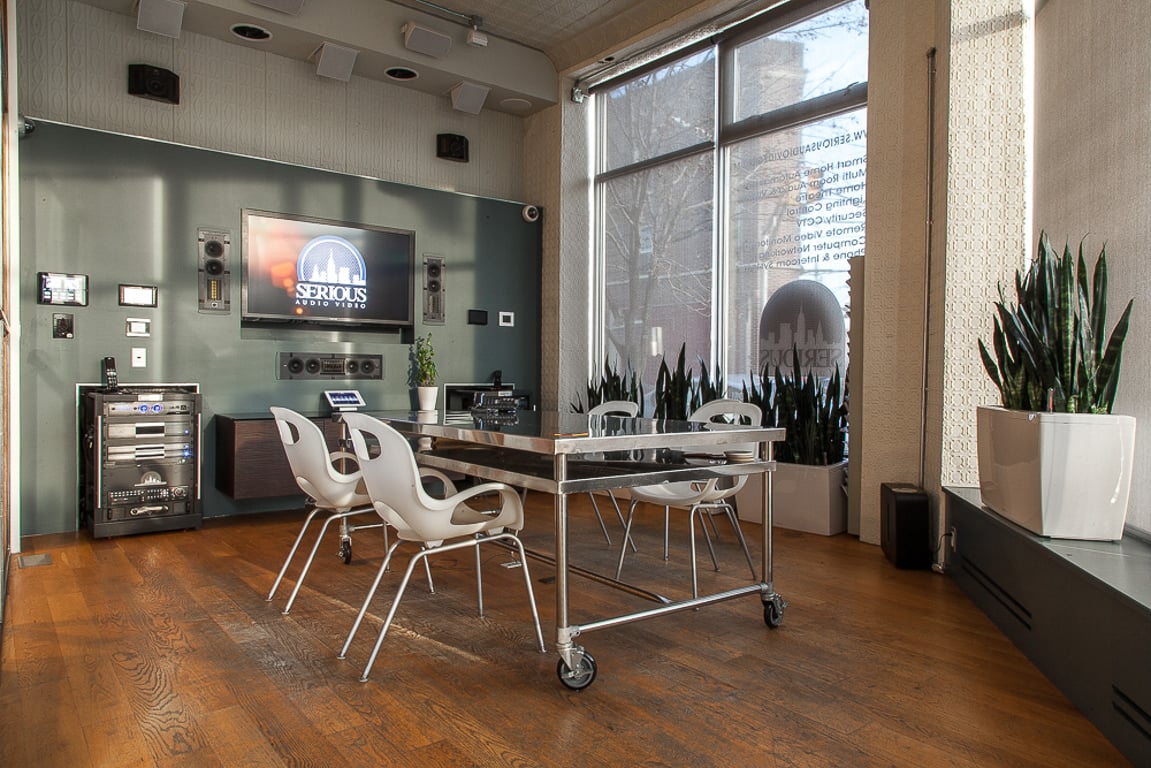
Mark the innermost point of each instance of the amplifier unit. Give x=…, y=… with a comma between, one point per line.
x=312, y=365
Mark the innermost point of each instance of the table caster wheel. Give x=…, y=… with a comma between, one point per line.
x=346, y=550
x=773, y=613
x=582, y=676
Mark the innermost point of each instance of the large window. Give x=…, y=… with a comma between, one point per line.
x=725, y=174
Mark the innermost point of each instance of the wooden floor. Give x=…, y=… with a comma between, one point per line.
x=161, y=650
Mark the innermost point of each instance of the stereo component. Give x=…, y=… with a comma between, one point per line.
x=214, y=247
x=314, y=365
x=433, y=288
x=140, y=465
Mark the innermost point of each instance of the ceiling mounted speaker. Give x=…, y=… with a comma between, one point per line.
x=335, y=61
x=292, y=7
x=469, y=97
x=426, y=41
x=163, y=17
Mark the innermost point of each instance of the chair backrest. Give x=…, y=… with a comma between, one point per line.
x=745, y=413
x=615, y=407
x=727, y=410
x=311, y=463
x=390, y=473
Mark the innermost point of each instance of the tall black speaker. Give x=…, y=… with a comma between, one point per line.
x=905, y=525
x=214, y=248
x=433, y=288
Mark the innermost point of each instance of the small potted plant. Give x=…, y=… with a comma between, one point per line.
x=1053, y=458
x=424, y=372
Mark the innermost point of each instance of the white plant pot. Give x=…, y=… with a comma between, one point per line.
x=427, y=397
x=1062, y=475
x=804, y=498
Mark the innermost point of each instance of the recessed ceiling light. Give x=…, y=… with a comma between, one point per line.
x=401, y=73
x=251, y=32
x=515, y=104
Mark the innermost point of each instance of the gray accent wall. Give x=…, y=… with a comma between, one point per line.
x=126, y=210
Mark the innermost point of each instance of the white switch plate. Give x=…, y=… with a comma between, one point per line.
x=508, y=319
x=139, y=357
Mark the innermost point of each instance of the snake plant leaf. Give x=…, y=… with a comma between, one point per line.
x=1049, y=344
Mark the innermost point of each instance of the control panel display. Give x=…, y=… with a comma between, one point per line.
x=344, y=399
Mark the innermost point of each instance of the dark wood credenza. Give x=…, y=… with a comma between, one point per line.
x=250, y=460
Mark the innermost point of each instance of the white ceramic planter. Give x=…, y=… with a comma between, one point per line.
x=1062, y=475
x=427, y=397
x=804, y=498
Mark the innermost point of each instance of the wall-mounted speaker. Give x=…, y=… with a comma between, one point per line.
x=150, y=82
x=433, y=288
x=469, y=97
x=452, y=146
x=214, y=247
x=426, y=41
x=313, y=365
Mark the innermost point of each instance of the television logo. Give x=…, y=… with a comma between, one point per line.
x=331, y=272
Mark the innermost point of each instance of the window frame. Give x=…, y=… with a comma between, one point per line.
x=727, y=133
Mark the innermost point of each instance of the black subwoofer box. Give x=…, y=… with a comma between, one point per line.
x=905, y=525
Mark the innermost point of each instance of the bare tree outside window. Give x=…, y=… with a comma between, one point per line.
x=696, y=234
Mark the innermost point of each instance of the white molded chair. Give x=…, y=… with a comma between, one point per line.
x=611, y=408
x=700, y=498
x=438, y=525
x=339, y=493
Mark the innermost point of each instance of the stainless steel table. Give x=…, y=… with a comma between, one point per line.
x=565, y=453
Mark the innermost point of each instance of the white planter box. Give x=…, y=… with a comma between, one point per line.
x=804, y=498
x=1062, y=475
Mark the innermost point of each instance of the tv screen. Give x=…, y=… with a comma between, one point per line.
x=320, y=271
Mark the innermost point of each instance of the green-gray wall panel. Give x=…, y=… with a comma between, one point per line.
x=126, y=210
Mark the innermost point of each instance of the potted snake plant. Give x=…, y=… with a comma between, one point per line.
x=807, y=486
x=1052, y=456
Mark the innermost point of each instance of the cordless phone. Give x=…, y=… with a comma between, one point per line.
x=108, y=368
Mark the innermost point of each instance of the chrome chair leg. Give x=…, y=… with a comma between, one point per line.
x=292, y=552
x=531, y=592
x=312, y=555
x=479, y=578
x=619, y=514
x=367, y=601
x=599, y=517
x=626, y=537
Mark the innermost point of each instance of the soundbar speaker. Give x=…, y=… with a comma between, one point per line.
x=214, y=248
x=329, y=367
x=905, y=525
x=433, y=288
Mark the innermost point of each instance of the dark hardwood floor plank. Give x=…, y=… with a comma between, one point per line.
x=161, y=650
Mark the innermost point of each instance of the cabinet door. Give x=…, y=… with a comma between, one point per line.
x=250, y=461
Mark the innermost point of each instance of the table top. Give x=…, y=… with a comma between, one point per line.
x=555, y=433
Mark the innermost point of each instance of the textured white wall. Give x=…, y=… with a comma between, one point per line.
x=1093, y=174
x=73, y=68
x=886, y=439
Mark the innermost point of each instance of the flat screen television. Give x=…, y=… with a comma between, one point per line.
x=310, y=270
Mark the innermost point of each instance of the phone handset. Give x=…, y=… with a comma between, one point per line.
x=108, y=369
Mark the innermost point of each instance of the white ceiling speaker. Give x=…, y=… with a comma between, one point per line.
x=426, y=41
x=335, y=61
x=162, y=17
x=469, y=97
x=292, y=7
